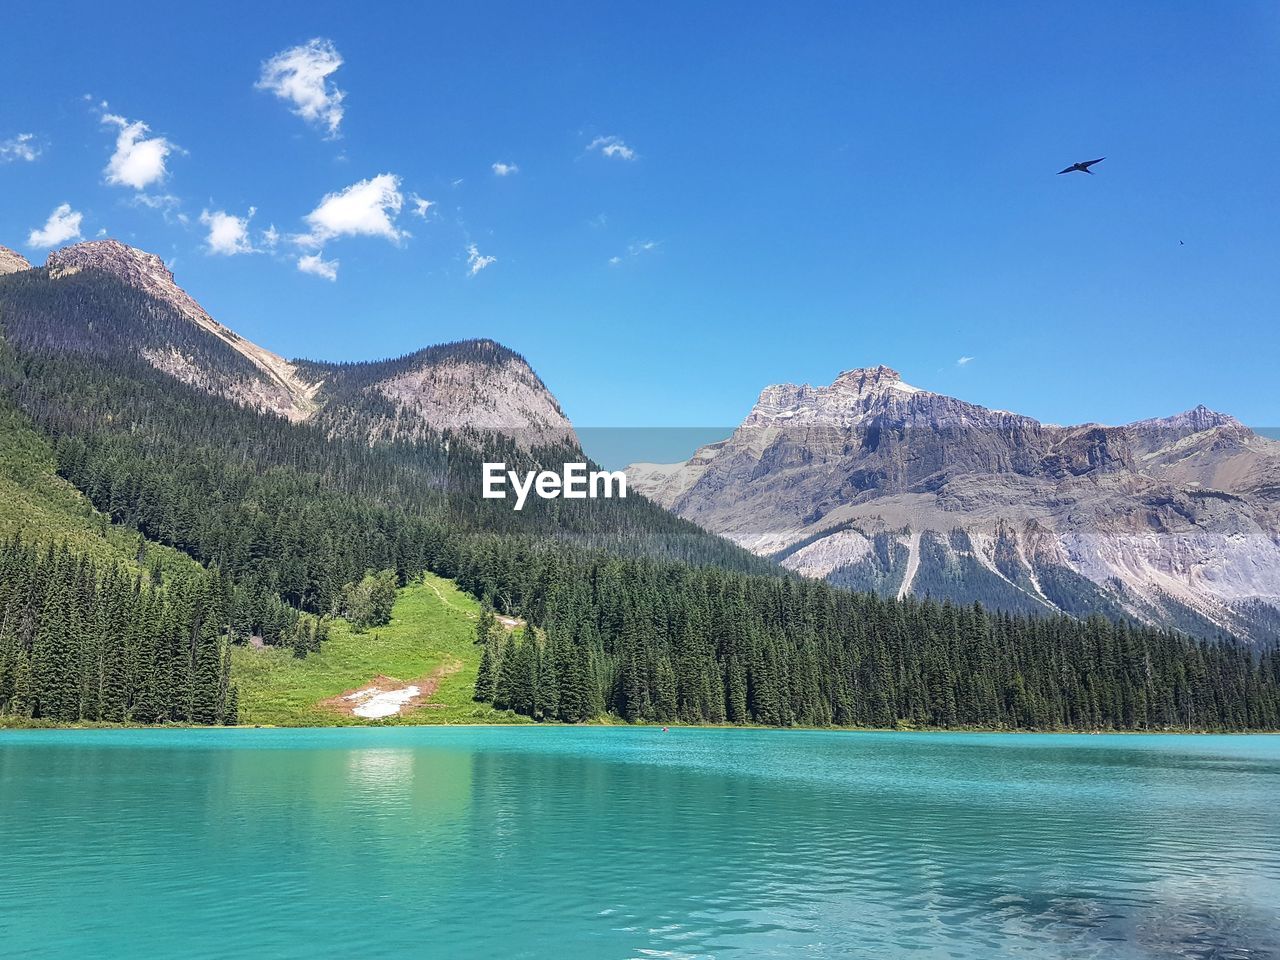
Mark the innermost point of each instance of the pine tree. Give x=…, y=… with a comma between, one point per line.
x=505, y=692
x=487, y=674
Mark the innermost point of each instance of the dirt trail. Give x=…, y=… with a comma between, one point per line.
x=509, y=622
x=449, y=603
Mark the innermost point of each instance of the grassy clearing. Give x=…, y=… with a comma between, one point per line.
x=432, y=627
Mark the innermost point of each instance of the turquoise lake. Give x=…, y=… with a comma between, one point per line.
x=608, y=843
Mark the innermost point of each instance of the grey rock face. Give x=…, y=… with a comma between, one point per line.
x=876, y=484
x=11, y=261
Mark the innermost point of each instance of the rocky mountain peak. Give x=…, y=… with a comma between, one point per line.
x=11, y=261
x=865, y=380
x=1199, y=422
x=280, y=389
x=141, y=270
x=127, y=263
x=857, y=396
x=1195, y=420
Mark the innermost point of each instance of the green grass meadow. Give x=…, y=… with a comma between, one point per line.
x=432, y=626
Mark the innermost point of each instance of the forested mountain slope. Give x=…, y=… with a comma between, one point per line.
x=108, y=299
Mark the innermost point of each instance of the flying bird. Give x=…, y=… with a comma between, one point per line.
x=1082, y=167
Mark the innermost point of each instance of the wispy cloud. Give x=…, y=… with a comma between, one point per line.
x=166, y=203
x=63, y=225
x=964, y=361
x=300, y=76
x=475, y=261
x=636, y=249
x=24, y=146
x=228, y=234
x=368, y=208
x=314, y=263
x=139, y=160
x=612, y=147
x=421, y=207
x=505, y=169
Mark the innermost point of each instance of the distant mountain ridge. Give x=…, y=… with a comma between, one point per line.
x=103, y=296
x=873, y=483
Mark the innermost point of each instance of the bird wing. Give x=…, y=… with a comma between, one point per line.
x=1068, y=170
x=1090, y=163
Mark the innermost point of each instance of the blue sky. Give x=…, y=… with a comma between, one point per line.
x=789, y=190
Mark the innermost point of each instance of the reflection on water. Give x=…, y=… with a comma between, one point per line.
x=604, y=843
x=380, y=770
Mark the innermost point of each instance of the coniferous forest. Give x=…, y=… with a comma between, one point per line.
x=629, y=610
x=82, y=641
x=653, y=642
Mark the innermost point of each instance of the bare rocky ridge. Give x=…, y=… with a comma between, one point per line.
x=478, y=386
x=504, y=396
x=876, y=484
x=12, y=262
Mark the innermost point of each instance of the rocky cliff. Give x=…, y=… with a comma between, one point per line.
x=11, y=261
x=876, y=484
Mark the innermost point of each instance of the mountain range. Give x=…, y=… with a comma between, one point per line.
x=875, y=484
x=190, y=517
x=869, y=483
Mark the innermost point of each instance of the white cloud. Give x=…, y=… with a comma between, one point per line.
x=228, y=234
x=139, y=160
x=612, y=147
x=476, y=262
x=63, y=225
x=421, y=207
x=316, y=264
x=614, y=261
x=964, y=361
x=271, y=237
x=367, y=209
x=22, y=147
x=300, y=75
x=505, y=169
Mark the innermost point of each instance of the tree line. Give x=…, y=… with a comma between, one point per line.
x=80, y=640
x=654, y=642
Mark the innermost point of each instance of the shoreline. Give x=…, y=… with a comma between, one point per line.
x=7, y=725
